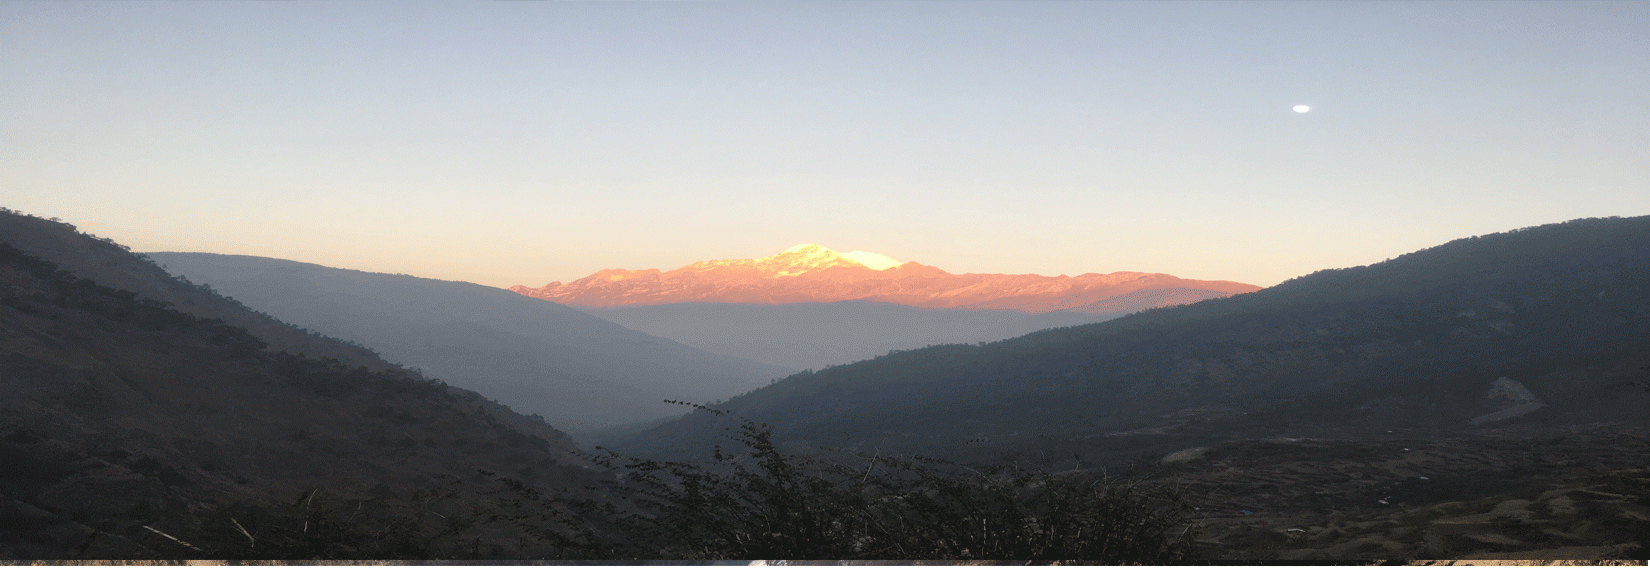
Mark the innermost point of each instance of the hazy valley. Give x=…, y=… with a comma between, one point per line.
x=1482, y=397
x=582, y=372
x=816, y=335
x=538, y=357
x=809, y=307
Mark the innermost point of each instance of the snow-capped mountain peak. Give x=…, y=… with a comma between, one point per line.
x=801, y=259
x=794, y=261
x=869, y=260
x=806, y=248
x=873, y=260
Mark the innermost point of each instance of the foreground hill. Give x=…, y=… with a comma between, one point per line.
x=538, y=357
x=122, y=418
x=815, y=274
x=1541, y=326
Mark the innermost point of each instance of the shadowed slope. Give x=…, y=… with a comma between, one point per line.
x=119, y=412
x=111, y=264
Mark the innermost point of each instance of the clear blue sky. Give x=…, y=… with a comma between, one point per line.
x=523, y=142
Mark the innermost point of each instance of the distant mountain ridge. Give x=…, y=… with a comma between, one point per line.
x=815, y=274
x=577, y=370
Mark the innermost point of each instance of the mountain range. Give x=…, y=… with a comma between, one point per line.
x=1540, y=326
x=815, y=274
x=576, y=370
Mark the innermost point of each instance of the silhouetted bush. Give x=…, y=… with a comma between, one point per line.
x=430, y=524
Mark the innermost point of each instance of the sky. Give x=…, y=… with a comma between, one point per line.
x=510, y=143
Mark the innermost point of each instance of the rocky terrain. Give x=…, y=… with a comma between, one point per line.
x=811, y=273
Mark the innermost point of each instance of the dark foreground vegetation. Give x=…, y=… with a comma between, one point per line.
x=761, y=503
x=1505, y=496
x=752, y=503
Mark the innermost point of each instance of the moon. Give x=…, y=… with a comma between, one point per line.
x=1302, y=108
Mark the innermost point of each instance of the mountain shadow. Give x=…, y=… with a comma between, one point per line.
x=539, y=357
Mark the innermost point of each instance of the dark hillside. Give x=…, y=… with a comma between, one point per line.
x=111, y=264
x=1417, y=344
x=118, y=412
